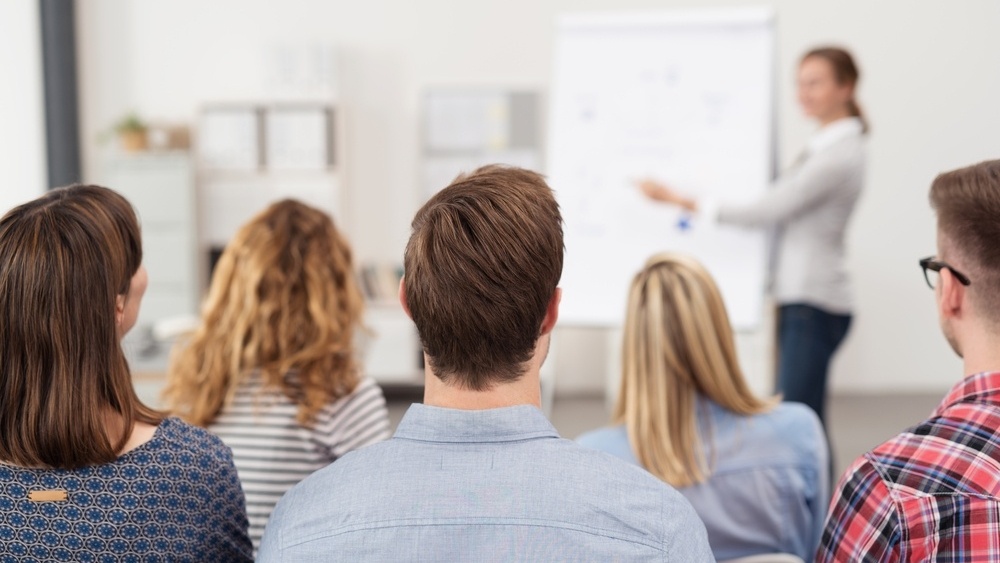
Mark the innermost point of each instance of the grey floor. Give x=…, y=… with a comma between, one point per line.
x=857, y=422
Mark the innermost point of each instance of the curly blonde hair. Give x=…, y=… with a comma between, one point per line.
x=283, y=300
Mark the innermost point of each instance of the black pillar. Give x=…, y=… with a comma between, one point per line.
x=62, y=128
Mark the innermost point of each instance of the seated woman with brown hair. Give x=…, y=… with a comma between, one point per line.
x=87, y=472
x=754, y=470
x=272, y=368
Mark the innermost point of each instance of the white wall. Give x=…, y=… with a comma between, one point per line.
x=22, y=134
x=930, y=80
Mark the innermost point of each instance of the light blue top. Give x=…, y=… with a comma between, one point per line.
x=488, y=485
x=769, y=488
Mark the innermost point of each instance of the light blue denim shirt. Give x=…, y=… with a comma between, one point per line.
x=769, y=488
x=488, y=485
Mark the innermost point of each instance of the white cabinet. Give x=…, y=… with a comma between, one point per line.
x=251, y=155
x=161, y=188
x=391, y=351
x=231, y=198
x=465, y=128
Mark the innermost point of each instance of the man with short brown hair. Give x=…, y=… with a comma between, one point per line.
x=482, y=269
x=932, y=493
x=477, y=472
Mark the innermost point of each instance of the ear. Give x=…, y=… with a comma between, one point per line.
x=847, y=91
x=402, y=297
x=951, y=296
x=120, y=310
x=551, y=312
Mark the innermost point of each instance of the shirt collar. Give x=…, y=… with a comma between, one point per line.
x=509, y=424
x=979, y=388
x=833, y=132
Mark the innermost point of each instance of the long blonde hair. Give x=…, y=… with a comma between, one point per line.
x=678, y=345
x=283, y=300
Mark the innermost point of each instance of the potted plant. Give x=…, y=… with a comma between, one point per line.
x=131, y=132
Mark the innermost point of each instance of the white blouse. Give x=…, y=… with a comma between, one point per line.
x=810, y=206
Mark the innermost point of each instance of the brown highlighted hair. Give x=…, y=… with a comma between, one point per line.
x=967, y=202
x=677, y=349
x=482, y=264
x=845, y=71
x=65, y=258
x=283, y=301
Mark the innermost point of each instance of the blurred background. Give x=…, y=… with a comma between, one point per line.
x=202, y=112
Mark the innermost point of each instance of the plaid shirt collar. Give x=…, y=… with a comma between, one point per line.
x=977, y=388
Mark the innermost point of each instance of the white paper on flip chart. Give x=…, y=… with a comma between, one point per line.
x=686, y=98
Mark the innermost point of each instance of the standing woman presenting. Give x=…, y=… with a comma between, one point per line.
x=810, y=206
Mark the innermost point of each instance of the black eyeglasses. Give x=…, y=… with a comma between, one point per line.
x=936, y=266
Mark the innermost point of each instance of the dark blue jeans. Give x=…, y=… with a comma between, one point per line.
x=807, y=338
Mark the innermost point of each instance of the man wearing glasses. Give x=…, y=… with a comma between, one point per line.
x=932, y=493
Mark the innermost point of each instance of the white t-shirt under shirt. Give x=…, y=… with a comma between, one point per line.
x=273, y=452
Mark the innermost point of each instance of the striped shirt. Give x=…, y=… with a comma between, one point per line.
x=273, y=452
x=931, y=493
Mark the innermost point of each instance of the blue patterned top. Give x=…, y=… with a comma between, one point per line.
x=175, y=498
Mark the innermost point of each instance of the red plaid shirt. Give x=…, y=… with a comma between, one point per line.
x=931, y=493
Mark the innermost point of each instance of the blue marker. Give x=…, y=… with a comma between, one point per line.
x=684, y=223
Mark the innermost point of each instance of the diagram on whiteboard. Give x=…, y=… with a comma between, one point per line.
x=683, y=98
